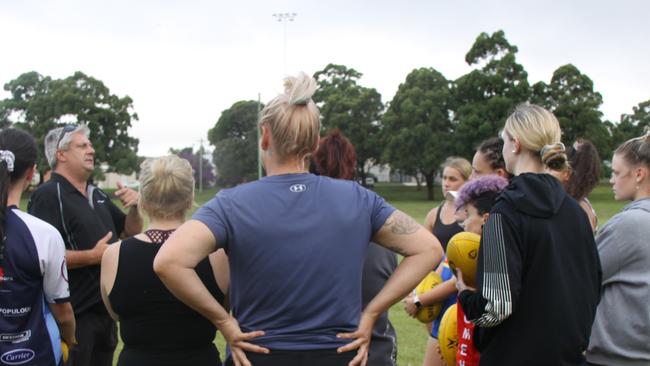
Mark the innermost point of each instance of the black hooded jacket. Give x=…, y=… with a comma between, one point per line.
x=538, y=277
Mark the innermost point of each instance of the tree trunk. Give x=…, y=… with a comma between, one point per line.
x=429, y=178
x=418, y=182
x=361, y=174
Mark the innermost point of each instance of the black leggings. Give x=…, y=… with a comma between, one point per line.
x=327, y=357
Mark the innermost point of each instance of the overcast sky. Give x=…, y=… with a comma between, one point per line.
x=183, y=62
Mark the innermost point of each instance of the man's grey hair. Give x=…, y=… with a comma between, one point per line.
x=54, y=141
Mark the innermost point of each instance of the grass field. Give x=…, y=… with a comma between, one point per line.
x=411, y=335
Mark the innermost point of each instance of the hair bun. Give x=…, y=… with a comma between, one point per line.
x=554, y=156
x=166, y=186
x=299, y=89
x=160, y=168
x=556, y=148
x=9, y=158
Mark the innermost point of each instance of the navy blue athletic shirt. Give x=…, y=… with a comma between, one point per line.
x=296, y=244
x=32, y=273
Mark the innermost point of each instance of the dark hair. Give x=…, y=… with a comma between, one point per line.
x=636, y=151
x=484, y=201
x=481, y=192
x=335, y=156
x=23, y=147
x=492, y=150
x=584, y=163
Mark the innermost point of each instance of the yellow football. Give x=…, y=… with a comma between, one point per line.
x=427, y=314
x=462, y=252
x=448, y=335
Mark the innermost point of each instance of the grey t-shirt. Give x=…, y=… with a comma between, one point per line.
x=621, y=331
x=379, y=266
x=296, y=244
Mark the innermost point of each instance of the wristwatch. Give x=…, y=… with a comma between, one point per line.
x=416, y=301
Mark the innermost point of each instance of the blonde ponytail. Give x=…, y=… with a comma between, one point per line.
x=293, y=118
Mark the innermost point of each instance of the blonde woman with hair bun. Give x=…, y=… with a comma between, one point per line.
x=296, y=243
x=538, y=275
x=158, y=329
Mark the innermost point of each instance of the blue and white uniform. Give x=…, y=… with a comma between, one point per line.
x=32, y=274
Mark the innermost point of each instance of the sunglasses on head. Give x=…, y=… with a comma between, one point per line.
x=64, y=130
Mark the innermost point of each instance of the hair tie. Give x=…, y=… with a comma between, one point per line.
x=300, y=101
x=9, y=158
x=548, y=147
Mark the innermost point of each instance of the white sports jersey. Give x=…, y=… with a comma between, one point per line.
x=32, y=273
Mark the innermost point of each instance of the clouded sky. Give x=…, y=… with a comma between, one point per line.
x=183, y=62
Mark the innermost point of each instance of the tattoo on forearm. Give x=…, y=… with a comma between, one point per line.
x=402, y=224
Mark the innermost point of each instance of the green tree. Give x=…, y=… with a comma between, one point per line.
x=234, y=138
x=571, y=97
x=417, y=127
x=354, y=109
x=39, y=103
x=483, y=98
x=632, y=125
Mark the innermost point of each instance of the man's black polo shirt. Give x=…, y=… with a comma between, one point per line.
x=82, y=223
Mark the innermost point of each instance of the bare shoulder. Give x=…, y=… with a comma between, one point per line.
x=111, y=254
x=430, y=219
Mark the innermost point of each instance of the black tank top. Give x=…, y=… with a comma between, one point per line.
x=444, y=232
x=156, y=327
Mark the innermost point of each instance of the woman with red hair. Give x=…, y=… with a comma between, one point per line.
x=336, y=156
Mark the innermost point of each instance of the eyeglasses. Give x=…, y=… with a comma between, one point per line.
x=64, y=130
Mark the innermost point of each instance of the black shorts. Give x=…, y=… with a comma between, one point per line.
x=327, y=357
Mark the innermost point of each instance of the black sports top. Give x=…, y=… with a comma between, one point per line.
x=81, y=221
x=158, y=329
x=443, y=231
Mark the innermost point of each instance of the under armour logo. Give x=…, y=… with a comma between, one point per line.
x=297, y=188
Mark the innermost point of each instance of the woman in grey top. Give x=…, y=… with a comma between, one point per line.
x=621, y=330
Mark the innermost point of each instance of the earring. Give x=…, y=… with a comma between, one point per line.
x=514, y=151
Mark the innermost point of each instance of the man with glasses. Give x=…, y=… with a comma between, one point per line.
x=88, y=222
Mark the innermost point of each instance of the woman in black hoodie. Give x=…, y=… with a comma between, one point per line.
x=538, y=278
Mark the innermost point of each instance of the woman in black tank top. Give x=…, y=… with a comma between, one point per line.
x=443, y=223
x=158, y=329
x=441, y=220
x=440, y=229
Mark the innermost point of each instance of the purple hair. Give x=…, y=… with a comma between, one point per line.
x=481, y=189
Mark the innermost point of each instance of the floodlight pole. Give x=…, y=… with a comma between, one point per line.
x=284, y=18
